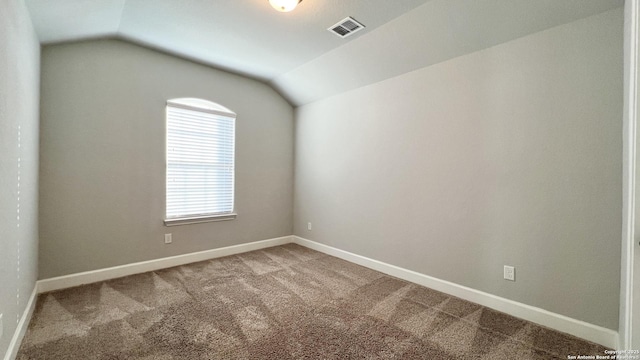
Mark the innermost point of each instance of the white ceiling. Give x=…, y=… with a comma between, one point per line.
x=293, y=51
x=245, y=36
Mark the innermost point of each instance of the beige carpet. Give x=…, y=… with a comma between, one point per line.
x=286, y=302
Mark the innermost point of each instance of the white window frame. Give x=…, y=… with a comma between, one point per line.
x=204, y=107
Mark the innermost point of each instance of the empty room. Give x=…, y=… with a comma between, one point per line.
x=319, y=179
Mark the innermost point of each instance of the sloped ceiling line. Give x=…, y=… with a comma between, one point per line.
x=293, y=52
x=124, y=4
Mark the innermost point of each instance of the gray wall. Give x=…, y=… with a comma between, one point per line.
x=102, y=181
x=510, y=155
x=19, y=99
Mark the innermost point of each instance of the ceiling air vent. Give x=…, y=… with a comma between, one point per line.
x=346, y=27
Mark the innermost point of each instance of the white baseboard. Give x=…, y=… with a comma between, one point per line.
x=581, y=329
x=14, y=345
x=88, y=277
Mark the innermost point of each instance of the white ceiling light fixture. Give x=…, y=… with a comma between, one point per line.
x=284, y=5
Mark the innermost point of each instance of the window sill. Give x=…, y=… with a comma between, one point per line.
x=198, y=219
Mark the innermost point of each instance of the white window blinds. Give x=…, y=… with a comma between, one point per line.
x=200, y=159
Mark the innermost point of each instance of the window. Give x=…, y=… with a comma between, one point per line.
x=200, y=161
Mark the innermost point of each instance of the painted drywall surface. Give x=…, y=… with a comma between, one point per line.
x=102, y=182
x=507, y=156
x=436, y=31
x=19, y=101
x=630, y=259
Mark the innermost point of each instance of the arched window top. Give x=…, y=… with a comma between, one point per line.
x=201, y=105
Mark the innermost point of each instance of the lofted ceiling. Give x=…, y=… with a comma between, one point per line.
x=293, y=51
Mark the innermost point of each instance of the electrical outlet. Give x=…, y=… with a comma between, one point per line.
x=167, y=239
x=309, y=226
x=509, y=273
